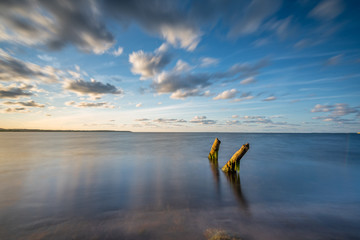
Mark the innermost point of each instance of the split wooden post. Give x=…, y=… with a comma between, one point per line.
x=213, y=155
x=233, y=164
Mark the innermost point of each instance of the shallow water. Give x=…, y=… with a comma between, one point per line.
x=162, y=186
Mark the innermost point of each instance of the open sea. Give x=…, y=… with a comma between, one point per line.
x=120, y=185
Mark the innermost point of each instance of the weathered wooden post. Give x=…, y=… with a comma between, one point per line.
x=233, y=164
x=213, y=155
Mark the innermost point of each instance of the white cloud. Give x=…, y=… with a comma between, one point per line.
x=46, y=58
x=75, y=75
x=182, y=66
x=181, y=36
x=182, y=94
x=271, y=98
x=248, y=80
x=336, y=112
x=70, y=103
x=202, y=120
x=233, y=122
x=169, y=121
x=322, y=108
x=118, y=51
x=244, y=96
x=149, y=64
x=89, y=104
x=208, y=61
x=264, y=120
x=228, y=94
x=327, y=10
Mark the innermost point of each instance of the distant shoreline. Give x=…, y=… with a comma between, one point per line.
x=124, y=131
x=44, y=130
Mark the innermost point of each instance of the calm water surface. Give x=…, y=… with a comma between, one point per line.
x=162, y=186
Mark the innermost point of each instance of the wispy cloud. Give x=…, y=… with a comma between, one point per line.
x=208, y=61
x=167, y=19
x=46, y=58
x=202, y=120
x=334, y=60
x=243, y=97
x=327, y=10
x=55, y=24
x=270, y=98
x=169, y=120
x=263, y=120
x=142, y=119
x=253, y=16
x=248, y=80
x=94, y=87
x=233, y=122
x=182, y=94
x=89, y=104
x=30, y=103
x=117, y=52
x=16, y=110
x=228, y=94
x=13, y=69
x=149, y=64
x=182, y=82
x=15, y=91
x=336, y=113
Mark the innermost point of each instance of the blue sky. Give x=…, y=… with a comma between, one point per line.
x=230, y=66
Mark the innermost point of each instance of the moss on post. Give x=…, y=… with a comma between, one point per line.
x=213, y=155
x=233, y=164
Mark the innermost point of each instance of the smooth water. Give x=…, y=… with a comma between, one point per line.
x=161, y=186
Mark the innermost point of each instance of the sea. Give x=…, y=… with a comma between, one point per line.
x=127, y=185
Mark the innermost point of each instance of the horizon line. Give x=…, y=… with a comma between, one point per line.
x=105, y=130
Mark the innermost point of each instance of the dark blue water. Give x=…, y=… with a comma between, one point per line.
x=162, y=186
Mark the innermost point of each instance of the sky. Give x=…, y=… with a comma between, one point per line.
x=180, y=66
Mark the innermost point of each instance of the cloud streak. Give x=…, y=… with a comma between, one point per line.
x=228, y=94
x=55, y=24
x=94, y=87
x=13, y=69
x=15, y=92
x=327, y=10
x=202, y=120
x=30, y=103
x=337, y=112
x=89, y=104
x=168, y=19
x=182, y=81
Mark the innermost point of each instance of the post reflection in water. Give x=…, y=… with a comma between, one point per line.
x=215, y=171
x=233, y=179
